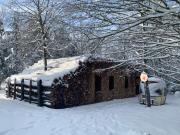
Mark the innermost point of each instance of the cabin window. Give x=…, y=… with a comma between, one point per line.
x=111, y=82
x=97, y=83
x=126, y=82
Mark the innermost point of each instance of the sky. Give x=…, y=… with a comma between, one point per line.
x=2, y=1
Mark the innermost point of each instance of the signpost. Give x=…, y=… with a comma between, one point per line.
x=144, y=78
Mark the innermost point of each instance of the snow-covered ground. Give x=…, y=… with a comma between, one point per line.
x=117, y=117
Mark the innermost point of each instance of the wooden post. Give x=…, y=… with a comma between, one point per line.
x=14, y=89
x=39, y=86
x=147, y=93
x=9, y=88
x=144, y=78
x=22, y=89
x=30, y=90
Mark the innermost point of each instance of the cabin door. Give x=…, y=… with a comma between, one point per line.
x=121, y=86
x=98, y=88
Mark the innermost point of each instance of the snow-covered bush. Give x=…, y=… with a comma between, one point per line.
x=157, y=86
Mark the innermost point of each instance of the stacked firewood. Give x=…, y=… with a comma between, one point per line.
x=71, y=89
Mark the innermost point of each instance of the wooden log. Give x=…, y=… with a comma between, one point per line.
x=26, y=92
x=26, y=99
x=45, y=88
x=26, y=86
x=14, y=89
x=26, y=96
x=40, y=100
x=30, y=91
x=45, y=97
x=22, y=89
x=9, y=88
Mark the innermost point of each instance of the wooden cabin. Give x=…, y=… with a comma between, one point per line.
x=92, y=80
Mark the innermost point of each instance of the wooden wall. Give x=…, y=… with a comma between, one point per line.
x=119, y=90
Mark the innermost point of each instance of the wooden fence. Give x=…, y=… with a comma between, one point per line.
x=34, y=92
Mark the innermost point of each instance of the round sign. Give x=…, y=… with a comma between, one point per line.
x=143, y=77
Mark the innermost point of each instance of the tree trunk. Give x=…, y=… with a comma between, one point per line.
x=45, y=55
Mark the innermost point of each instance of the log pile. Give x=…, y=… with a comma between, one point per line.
x=72, y=89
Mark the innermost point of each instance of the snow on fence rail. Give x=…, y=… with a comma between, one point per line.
x=35, y=92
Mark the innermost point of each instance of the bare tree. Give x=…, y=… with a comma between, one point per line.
x=147, y=30
x=40, y=13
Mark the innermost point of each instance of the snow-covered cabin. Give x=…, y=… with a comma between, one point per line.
x=73, y=81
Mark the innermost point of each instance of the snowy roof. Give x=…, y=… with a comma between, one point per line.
x=56, y=68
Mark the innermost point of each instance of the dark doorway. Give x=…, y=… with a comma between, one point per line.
x=111, y=82
x=97, y=83
x=126, y=81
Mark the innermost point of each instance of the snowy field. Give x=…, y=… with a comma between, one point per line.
x=117, y=117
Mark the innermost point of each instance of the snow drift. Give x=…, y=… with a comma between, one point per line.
x=157, y=86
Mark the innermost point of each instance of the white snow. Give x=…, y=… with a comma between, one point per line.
x=160, y=84
x=56, y=68
x=177, y=94
x=117, y=117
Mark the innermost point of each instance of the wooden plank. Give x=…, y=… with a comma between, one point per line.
x=27, y=92
x=26, y=97
x=9, y=88
x=26, y=86
x=14, y=89
x=46, y=97
x=45, y=88
x=40, y=100
x=30, y=91
x=22, y=89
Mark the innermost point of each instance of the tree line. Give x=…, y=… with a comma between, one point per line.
x=143, y=32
